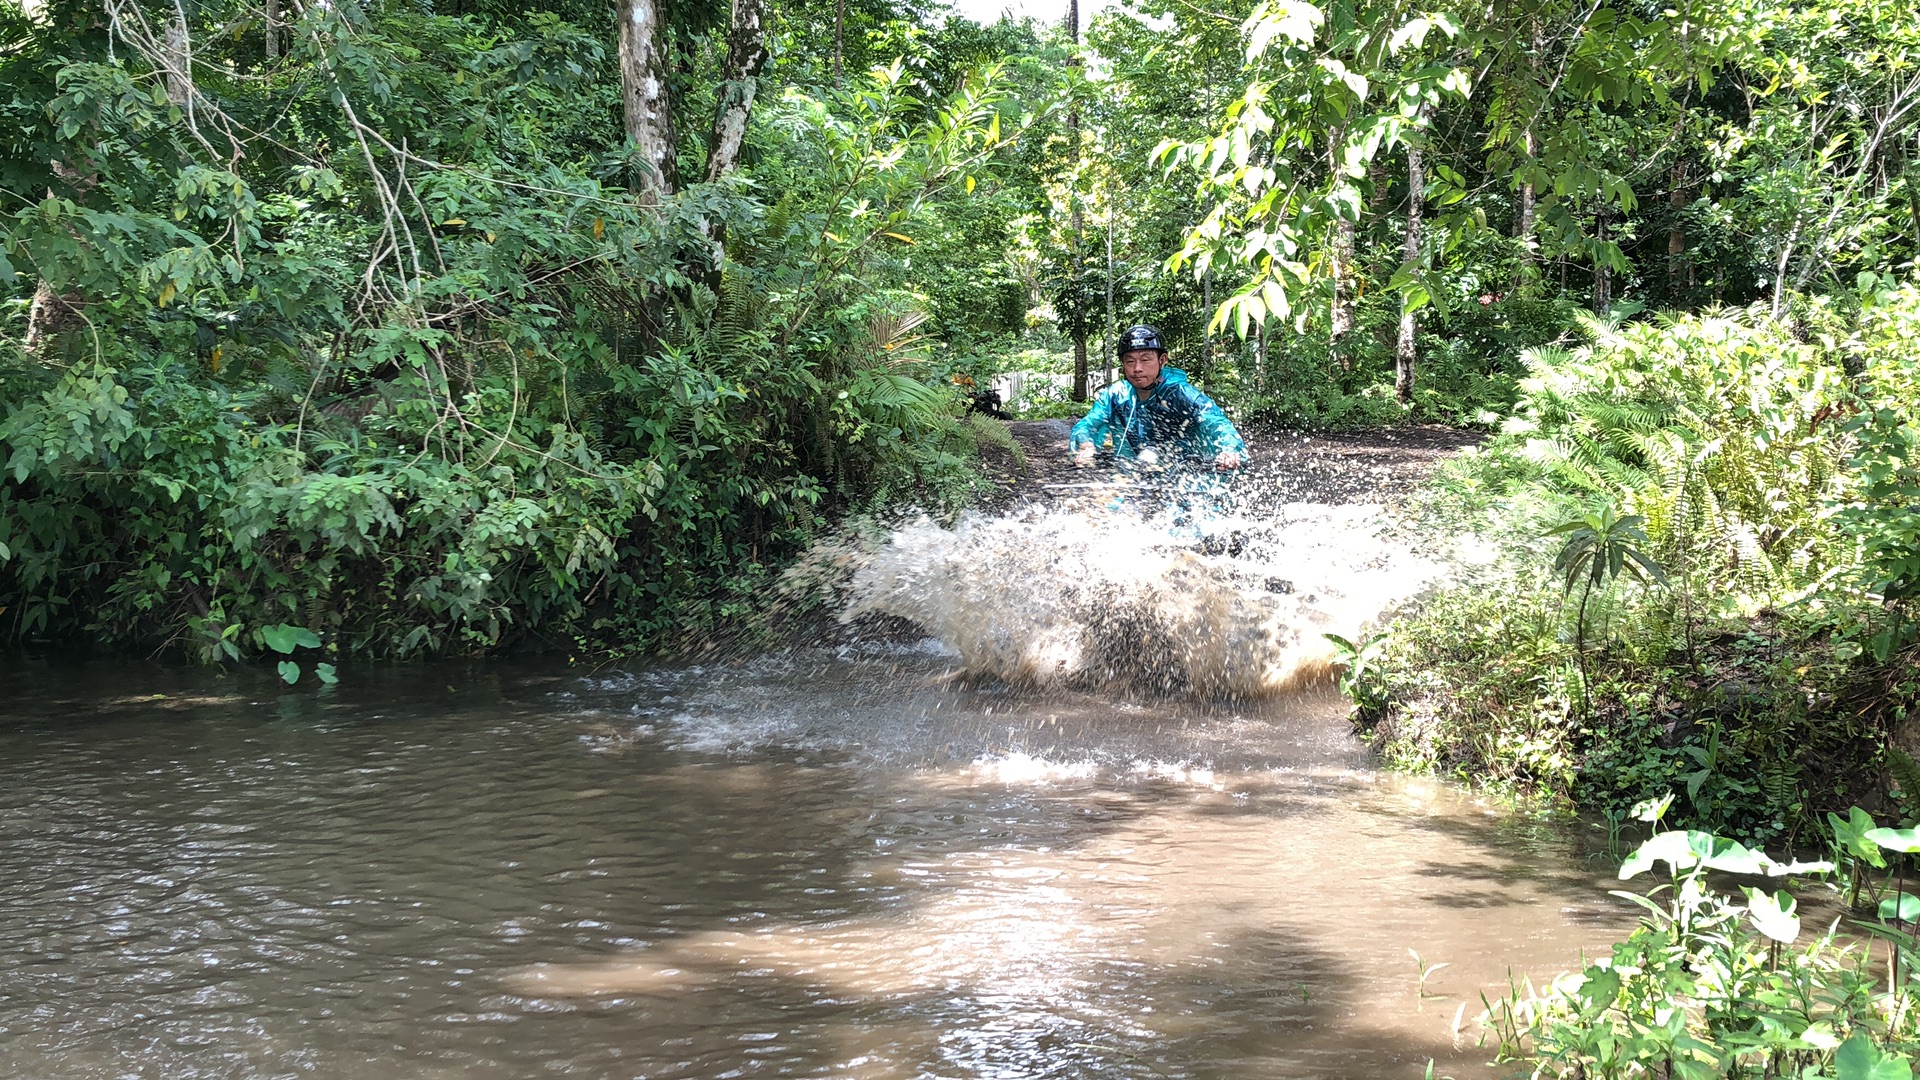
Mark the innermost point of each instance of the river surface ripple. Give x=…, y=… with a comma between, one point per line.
x=818, y=864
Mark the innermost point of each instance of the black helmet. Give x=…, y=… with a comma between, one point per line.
x=1141, y=337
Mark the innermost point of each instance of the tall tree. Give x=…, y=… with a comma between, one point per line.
x=839, y=39
x=1523, y=220
x=179, y=54
x=1079, y=220
x=1679, y=270
x=1340, y=258
x=1406, y=348
x=645, y=93
x=1602, y=269
x=1340, y=85
x=746, y=58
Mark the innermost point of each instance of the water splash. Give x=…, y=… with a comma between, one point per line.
x=1089, y=598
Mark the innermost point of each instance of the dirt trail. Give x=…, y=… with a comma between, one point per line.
x=1374, y=466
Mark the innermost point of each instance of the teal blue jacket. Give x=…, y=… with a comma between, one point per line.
x=1174, y=416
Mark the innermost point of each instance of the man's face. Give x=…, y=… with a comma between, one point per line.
x=1142, y=367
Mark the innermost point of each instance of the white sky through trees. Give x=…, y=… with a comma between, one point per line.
x=986, y=11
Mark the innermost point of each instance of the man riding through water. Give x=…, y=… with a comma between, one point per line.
x=1153, y=413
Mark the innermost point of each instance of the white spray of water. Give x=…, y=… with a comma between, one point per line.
x=1093, y=599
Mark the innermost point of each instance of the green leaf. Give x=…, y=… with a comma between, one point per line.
x=1859, y=1059
x=1817, y=866
x=289, y=672
x=1820, y=1036
x=1599, y=987
x=326, y=673
x=1652, y=810
x=286, y=637
x=1773, y=914
x=1685, y=850
x=1695, y=780
x=1906, y=908
x=1851, y=836
x=1902, y=840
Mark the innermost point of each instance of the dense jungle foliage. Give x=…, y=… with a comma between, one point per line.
x=392, y=329
x=1701, y=575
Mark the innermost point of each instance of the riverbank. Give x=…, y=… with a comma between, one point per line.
x=1695, y=581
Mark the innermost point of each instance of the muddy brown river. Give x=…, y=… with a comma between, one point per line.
x=823, y=863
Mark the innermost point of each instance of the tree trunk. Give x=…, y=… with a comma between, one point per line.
x=1110, y=340
x=1780, y=271
x=1602, y=272
x=644, y=93
x=1260, y=357
x=1079, y=319
x=839, y=34
x=1523, y=221
x=179, y=59
x=1405, y=351
x=1679, y=267
x=1078, y=223
x=51, y=311
x=48, y=315
x=1523, y=226
x=272, y=21
x=1342, y=317
x=1206, y=335
x=746, y=57
x=1340, y=262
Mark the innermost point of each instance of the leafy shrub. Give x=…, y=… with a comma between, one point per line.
x=1710, y=984
x=1885, y=519
x=456, y=389
x=1737, y=680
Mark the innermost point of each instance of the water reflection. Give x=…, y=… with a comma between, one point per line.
x=820, y=864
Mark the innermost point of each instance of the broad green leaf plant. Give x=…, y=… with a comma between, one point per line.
x=1717, y=984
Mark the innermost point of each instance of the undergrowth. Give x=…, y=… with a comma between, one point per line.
x=1765, y=670
x=1724, y=980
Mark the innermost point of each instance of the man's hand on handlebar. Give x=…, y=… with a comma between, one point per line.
x=1227, y=460
x=1083, y=456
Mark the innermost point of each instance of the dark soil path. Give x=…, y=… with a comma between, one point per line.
x=1378, y=465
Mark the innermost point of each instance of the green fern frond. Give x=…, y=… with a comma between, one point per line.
x=1546, y=357
x=1905, y=772
x=1595, y=328
x=1781, y=783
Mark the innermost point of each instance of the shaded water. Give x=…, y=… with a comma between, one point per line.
x=822, y=864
